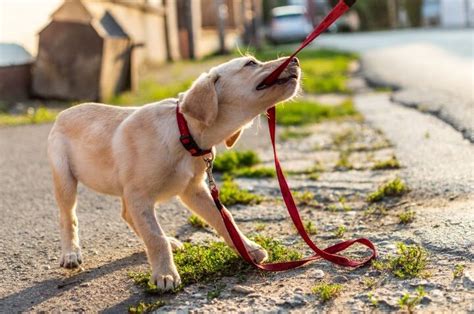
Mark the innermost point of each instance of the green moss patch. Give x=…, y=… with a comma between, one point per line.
x=327, y=291
x=145, y=307
x=33, y=116
x=197, y=222
x=388, y=164
x=232, y=160
x=231, y=194
x=395, y=187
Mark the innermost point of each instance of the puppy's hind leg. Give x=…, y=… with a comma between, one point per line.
x=65, y=190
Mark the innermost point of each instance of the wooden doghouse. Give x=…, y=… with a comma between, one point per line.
x=83, y=54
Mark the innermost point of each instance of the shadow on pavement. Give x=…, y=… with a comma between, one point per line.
x=52, y=287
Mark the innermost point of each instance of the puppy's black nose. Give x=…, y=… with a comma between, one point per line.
x=295, y=61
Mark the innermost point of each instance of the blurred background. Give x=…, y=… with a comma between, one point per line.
x=93, y=50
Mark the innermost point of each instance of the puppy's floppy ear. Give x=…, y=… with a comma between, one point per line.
x=231, y=140
x=200, y=101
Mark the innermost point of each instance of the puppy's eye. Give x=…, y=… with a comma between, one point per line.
x=251, y=63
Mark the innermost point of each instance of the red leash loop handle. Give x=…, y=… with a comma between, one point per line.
x=330, y=252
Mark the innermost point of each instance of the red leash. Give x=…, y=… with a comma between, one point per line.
x=328, y=253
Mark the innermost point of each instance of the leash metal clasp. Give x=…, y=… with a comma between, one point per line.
x=209, y=164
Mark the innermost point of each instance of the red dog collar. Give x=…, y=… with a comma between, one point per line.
x=186, y=138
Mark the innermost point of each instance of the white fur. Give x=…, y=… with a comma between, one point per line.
x=135, y=153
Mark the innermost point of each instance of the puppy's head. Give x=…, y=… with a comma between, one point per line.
x=229, y=91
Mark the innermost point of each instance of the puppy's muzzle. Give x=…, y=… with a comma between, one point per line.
x=286, y=76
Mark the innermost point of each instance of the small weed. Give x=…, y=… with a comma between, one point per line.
x=332, y=208
x=260, y=227
x=310, y=228
x=314, y=176
x=327, y=291
x=409, y=302
x=230, y=194
x=344, y=206
x=343, y=163
x=197, y=222
x=306, y=198
x=216, y=292
x=407, y=216
x=233, y=160
x=254, y=172
x=144, y=307
x=276, y=251
x=391, y=163
x=288, y=134
x=458, y=270
x=395, y=187
x=372, y=299
x=344, y=137
x=369, y=282
x=409, y=262
x=340, y=231
x=376, y=210
x=305, y=112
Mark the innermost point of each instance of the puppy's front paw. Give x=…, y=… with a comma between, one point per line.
x=71, y=259
x=166, y=278
x=258, y=253
x=175, y=244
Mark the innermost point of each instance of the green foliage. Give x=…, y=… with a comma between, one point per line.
x=150, y=91
x=288, y=134
x=233, y=160
x=216, y=292
x=407, y=216
x=391, y=163
x=33, y=116
x=458, y=270
x=277, y=252
x=214, y=260
x=340, y=231
x=303, y=112
x=260, y=227
x=409, y=302
x=409, y=262
x=197, y=222
x=310, y=227
x=305, y=198
x=395, y=187
x=376, y=210
x=230, y=194
x=372, y=299
x=144, y=307
x=254, y=172
x=327, y=291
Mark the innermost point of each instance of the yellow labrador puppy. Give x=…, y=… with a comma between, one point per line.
x=135, y=153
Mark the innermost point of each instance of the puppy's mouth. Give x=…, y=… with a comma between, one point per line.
x=279, y=81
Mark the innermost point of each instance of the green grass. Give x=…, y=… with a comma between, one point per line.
x=343, y=163
x=324, y=71
x=233, y=160
x=395, y=187
x=197, y=222
x=305, y=198
x=254, y=172
x=150, y=91
x=340, y=231
x=204, y=263
x=458, y=270
x=388, y=164
x=289, y=134
x=230, y=194
x=327, y=291
x=145, y=307
x=407, y=216
x=303, y=112
x=409, y=302
x=33, y=116
x=310, y=227
x=216, y=292
x=375, y=210
x=409, y=262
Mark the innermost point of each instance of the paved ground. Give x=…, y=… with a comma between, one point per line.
x=30, y=279
x=433, y=69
